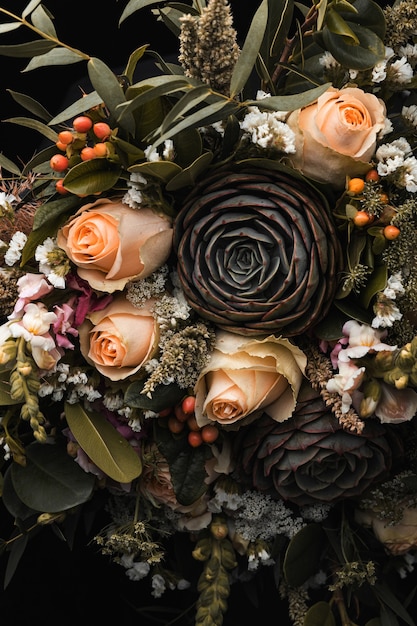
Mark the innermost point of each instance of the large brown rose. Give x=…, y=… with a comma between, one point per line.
x=397, y=538
x=119, y=339
x=245, y=378
x=336, y=136
x=110, y=243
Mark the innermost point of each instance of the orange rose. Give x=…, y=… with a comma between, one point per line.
x=245, y=378
x=110, y=243
x=336, y=136
x=397, y=538
x=119, y=339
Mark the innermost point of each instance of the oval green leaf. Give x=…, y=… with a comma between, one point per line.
x=303, y=555
x=51, y=481
x=56, y=56
x=320, y=614
x=93, y=176
x=103, y=444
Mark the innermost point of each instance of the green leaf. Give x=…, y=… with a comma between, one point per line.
x=320, y=614
x=388, y=599
x=106, y=84
x=162, y=170
x=51, y=481
x=188, y=101
x=31, y=7
x=303, y=555
x=80, y=106
x=27, y=50
x=111, y=452
x=376, y=282
x=16, y=553
x=247, y=58
x=375, y=621
x=190, y=174
x=330, y=329
x=163, y=397
x=187, y=147
x=56, y=56
x=337, y=25
x=31, y=105
x=93, y=176
x=9, y=26
x=12, y=502
x=136, y=5
x=289, y=103
x=353, y=310
x=186, y=464
x=133, y=61
x=40, y=127
x=362, y=56
x=5, y=398
x=8, y=165
x=41, y=20
x=54, y=210
x=40, y=161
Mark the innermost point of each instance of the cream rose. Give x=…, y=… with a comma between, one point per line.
x=110, y=243
x=397, y=538
x=119, y=339
x=336, y=136
x=246, y=377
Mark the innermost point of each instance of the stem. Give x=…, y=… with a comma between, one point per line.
x=341, y=607
x=39, y=32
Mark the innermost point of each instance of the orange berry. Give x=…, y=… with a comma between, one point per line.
x=391, y=232
x=102, y=130
x=372, y=176
x=362, y=218
x=209, y=433
x=59, y=186
x=179, y=413
x=165, y=412
x=82, y=124
x=100, y=149
x=188, y=404
x=61, y=146
x=356, y=185
x=59, y=163
x=383, y=198
x=192, y=423
x=195, y=439
x=174, y=425
x=87, y=153
x=66, y=137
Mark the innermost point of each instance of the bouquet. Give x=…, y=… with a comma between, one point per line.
x=209, y=307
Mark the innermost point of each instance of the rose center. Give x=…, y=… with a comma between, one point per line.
x=353, y=116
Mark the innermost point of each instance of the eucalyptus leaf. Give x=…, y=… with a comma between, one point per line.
x=31, y=105
x=161, y=170
x=41, y=20
x=290, y=103
x=302, y=557
x=247, y=58
x=136, y=5
x=40, y=127
x=189, y=100
x=133, y=60
x=8, y=165
x=56, y=56
x=189, y=175
x=31, y=7
x=27, y=50
x=93, y=176
x=106, y=448
x=320, y=614
x=51, y=481
x=40, y=160
x=85, y=103
x=54, y=210
x=171, y=18
x=107, y=85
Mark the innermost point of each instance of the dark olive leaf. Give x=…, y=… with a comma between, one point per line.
x=163, y=397
x=41, y=20
x=290, y=103
x=107, y=85
x=338, y=26
x=279, y=21
x=330, y=329
x=28, y=122
x=365, y=55
x=187, y=147
x=133, y=60
x=16, y=553
x=85, y=103
x=302, y=556
x=375, y=283
x=12, y=502
x=149, y=115
x=27, y=50
x=105, y=446
x=8, y=165
x=375, y=621
x=57, y=56
x=136, y=5
x=186, y=464
x=353, y=310
x=250, y=50
x=320, y=614
x=31, y=105
x=367, y=13
x=189, y=100
x=162, y=170
x=93, y=176
x=40, y=160
x=171, y=17
x=389, y=600
x=53, y=210
x=51, y=481
x=190, y=174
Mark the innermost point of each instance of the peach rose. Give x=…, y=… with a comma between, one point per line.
x=119, y=339
x=397, y=538
x=246, y=377
x=336, y=136
x=110, y=243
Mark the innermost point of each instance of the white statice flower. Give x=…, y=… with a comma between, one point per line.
x=6, y=450
x=387, y=129
x=410, y=114
x=158, y=586
x=168, y=152
x=268, y=131
x=409, y=51
x=6, y=200
x=133, y=196
x=42, y=255
x=134, y=570
x=14, y=251
x=113, y=401
x=394, y=286
x=391, y=156
x=385, y=310
x=134, y=423
x=408, y=175
x=328, y=61
x=379, y=71
x=401, y=71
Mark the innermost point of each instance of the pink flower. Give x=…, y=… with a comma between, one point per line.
x=396, y=405
x=363, y=339
x=346, y=381
x=31, y=287
x=63, y=325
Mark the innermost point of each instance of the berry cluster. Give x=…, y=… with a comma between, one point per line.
x=86, y=140
x=183, y=416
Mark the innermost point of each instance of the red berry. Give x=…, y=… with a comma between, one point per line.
x=174, y=425
x=209, y=433
x=165, y=412
x=362, y=218
x=372, y=176
x=102, y=130
x=195, y=439
x=179, y=413
x=188, y=405
x=192, y=423
x=391, y=232
x=82, y=124
x=59, y=186
x=59, y=163
x=87, y=153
